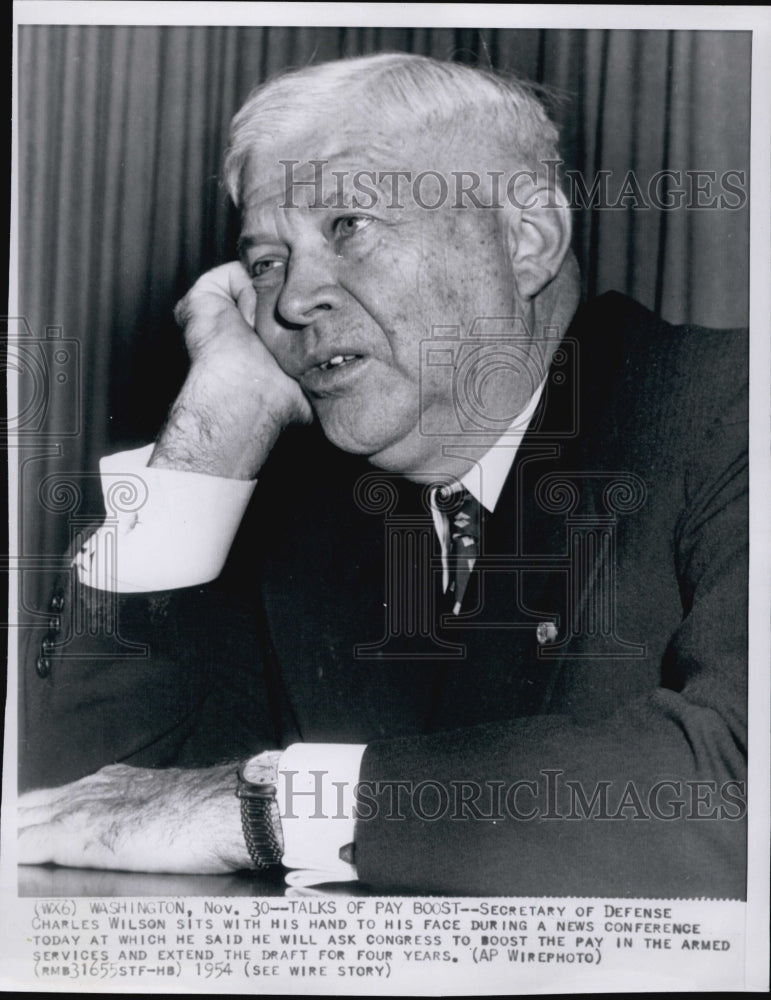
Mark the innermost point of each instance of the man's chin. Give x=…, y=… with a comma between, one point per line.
x=381, y=446
x=355, y=443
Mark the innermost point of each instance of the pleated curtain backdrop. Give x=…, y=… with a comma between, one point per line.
x=121, y=137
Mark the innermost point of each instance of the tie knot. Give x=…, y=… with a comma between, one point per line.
x=462, y=510
x=465, y=522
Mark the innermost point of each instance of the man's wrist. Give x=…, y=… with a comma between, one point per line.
x=225, y=433
x=191, y=443
x=261, y=824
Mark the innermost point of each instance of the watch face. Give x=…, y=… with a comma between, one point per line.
x=262, y=769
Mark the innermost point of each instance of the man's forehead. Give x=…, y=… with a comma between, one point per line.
x=370, y=172
x=307, y=156
x=347, y=175
x=353, y=166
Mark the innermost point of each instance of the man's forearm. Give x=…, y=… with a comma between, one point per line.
x=201, y=436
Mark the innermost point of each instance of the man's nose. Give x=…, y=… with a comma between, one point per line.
x=311, y=287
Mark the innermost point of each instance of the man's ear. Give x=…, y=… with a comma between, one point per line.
x=539, y=230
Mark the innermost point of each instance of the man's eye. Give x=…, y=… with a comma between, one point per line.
x=262, y=267
x=349, y=225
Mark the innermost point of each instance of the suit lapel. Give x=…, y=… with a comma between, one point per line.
x=523, y=578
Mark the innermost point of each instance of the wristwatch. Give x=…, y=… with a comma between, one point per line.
x=261, y=823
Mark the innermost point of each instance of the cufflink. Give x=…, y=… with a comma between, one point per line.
x=545, y=633
x=347, y=853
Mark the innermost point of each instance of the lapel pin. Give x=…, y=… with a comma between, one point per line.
x=546, y=632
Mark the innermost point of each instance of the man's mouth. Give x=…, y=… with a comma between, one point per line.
x=334, y=374
x=336, y=361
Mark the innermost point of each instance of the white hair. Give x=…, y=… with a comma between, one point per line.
x=396, y=90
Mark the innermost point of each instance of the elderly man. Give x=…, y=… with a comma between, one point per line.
x=495, y=591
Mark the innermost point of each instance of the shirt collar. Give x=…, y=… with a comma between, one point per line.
x=485, y=479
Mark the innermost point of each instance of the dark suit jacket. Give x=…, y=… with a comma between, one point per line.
x=623, y=524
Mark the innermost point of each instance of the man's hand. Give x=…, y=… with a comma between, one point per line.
x=134, y=819
x=236, y=400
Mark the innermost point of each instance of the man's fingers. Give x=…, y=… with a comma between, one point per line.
x=228, y=282
x=246, y=301
x=32, y=815
x=65, y=794
x=36, y=844
x=237, y=278
x=65, y=844
x=42, y=798
x=37, y=797
x=135, y=819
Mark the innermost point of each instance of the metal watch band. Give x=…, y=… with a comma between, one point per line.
x=260, y=821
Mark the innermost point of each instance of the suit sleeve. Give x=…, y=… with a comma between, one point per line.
x=648, y=802
x=145, y=661
x=158, y=679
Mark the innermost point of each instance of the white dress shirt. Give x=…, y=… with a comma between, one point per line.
x=180, y=537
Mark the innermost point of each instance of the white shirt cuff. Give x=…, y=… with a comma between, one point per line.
x=164, y=529
x=316, y=801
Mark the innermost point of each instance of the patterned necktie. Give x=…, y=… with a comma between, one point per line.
x=463, y=512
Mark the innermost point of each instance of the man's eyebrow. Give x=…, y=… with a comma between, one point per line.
x=248, y=240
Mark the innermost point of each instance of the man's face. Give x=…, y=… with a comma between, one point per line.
x=346, y=294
